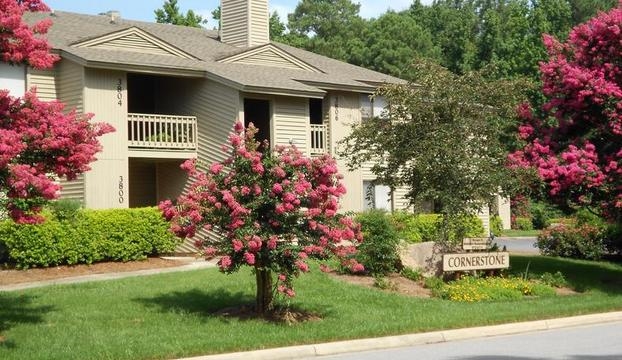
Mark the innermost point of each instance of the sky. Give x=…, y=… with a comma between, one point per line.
x=143, y=9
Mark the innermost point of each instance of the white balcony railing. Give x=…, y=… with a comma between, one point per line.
x=155, y=131
x=319, y=144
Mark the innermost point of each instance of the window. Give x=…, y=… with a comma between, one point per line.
x=376, y=196
x=13, y=78
x=372, y=106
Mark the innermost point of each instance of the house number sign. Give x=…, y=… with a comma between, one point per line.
x=120, y=92
x=121, y=190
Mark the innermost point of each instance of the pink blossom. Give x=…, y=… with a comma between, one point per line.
x=277, y=188
x=225, y=263
x=249, y=258
x=237, y=245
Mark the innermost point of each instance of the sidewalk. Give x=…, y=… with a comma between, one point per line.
x=341, y=347
x=192, y=265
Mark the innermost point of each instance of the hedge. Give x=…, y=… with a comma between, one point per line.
x=416, y=228
x=87, y=237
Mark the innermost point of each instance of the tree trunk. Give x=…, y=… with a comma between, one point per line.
x=264, y=299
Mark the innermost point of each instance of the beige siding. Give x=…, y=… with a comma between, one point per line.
x=505, y=212
x=344, y=110
x=234, y=22
x=71, y=85
x=217, y=108
x=105, y=95
x=484, y=215
x=45, y=83
x=171, y=180
x=291, y=122
x=133, y=42
x=400, y=202
x=73, y=190
x=259, y=27
x=366, y=171
x=244, y=22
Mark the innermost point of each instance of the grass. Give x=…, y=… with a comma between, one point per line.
x=519, y=233
x=171, y=315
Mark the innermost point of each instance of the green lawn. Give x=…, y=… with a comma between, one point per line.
x=170, y=315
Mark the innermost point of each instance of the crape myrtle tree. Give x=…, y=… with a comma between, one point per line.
x=574, y=139
x=38, y=142
x=441, y=138
x=271, y=210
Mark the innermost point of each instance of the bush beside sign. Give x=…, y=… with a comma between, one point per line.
x=476, y=261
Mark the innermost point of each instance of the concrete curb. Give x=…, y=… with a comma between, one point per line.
x=194, y=265
x=340, y=347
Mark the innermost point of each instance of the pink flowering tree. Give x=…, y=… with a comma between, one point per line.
x=272, y=211
x=38, y=141
x=574, y=140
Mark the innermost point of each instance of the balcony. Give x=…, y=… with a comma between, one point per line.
x=319, y=145
x=163, y=133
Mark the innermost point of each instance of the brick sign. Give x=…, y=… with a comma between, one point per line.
x=476, y=261
x=476, y=243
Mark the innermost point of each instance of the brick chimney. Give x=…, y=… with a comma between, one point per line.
x=244, y=23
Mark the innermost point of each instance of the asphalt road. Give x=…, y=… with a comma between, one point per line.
x=594, y=342
x=518, y=244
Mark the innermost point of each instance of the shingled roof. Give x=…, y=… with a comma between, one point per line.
x=198, y=52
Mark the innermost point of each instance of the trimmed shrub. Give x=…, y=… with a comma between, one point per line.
x=463, y=226
x=64, y=209
x=416, y=228
x=92, y=236
x=496, y=224
x=583, y=241
x=523, y=223
x=379, y=251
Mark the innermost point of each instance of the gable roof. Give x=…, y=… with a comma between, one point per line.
x=268, y=55
x=93, y=41
x=133, y=39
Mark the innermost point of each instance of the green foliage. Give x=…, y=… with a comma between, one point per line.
x=523, y=223
x=379, y=251
x=170, y=14
x=435, y=154
x=92, y=236
x=496, y=225
x=276, y=27
x=542, y=213
x=415, y=228
x=330, y=28
x=580, y=241
x=381, y=282
x=411, y=274
x=585, y=216
x=64, y=209
x=435, y=284
x=472, y=289
x=613, y=239
x=392, y=41
x=556, y=279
